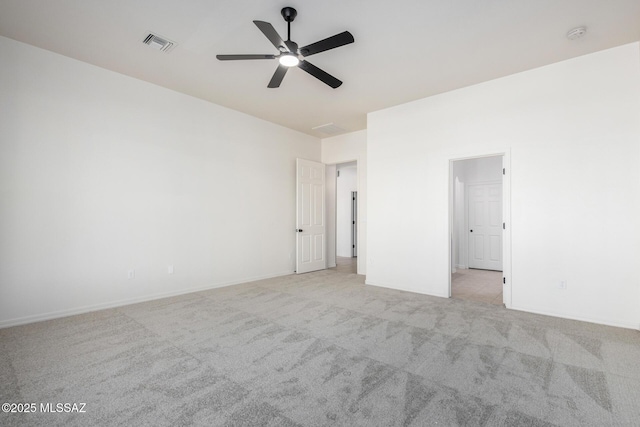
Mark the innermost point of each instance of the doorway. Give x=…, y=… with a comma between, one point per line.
x=342, y=215
x=477, y=229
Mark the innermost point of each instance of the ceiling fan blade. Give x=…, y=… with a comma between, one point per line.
x=328, y=43
x=271, y=33
x=291, y=46
x=278, y=76
x=319, y=74
x=237, y=57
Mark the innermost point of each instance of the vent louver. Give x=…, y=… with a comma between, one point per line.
x=158, y=43
x=329, y=129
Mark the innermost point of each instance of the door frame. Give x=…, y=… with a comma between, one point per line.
x=359, y=206
x=507, y=287
x=354, y=221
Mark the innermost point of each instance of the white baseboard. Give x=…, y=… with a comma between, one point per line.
x=462, y=267
x=366, y=282
x=113, y=304
x=607, y=322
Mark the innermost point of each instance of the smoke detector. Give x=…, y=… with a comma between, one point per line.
x=576, y=33
x=158, y=43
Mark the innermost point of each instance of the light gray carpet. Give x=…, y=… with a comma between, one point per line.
x=321, y=349
x=477, y=285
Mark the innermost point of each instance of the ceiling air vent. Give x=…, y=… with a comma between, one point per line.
x=576, y=33
x=329, y=129
x=158, y=43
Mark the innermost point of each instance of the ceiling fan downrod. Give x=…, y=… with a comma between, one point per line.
x=289, y=14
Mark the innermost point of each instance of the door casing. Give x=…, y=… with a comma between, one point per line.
x=508, y=284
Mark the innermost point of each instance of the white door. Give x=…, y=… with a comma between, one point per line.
x=485, y=226
x=310, y=216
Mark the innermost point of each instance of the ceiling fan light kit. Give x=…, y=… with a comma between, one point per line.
x=288, y=59
x=289, y=55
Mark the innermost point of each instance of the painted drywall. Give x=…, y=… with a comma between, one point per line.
x=347, y=182
x=102, y=173
x=571, y=131
x=468, y=172
x=343, y=149
x=479, y=170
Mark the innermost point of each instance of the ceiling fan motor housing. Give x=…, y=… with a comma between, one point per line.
x=289, y=13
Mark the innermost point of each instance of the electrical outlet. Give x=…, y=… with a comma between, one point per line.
x=170, y=269
x=131, y=274
x=562, y=284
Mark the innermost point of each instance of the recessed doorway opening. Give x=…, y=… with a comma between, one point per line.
x=342, y=215
x=477, y=225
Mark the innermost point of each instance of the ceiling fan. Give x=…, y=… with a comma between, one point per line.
x=290, y=55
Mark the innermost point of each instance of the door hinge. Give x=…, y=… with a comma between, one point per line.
x=504, y=227
x=353, y=222
x=504, y=171
x=353, y=246
x=504, y=280
x=337, y=174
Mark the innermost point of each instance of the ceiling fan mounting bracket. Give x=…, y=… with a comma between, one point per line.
x=289, y=13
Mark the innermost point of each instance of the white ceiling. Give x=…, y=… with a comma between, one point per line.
x=404, y=49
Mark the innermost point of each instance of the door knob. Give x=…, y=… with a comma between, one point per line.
x=471, y=231
x=299, y=230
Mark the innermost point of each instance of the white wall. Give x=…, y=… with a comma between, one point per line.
x=346, y=148
x=346, y=183
x=483, y=169
x=572, y=133
x=101, y=173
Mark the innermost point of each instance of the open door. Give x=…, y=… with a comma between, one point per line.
x=310, y=216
